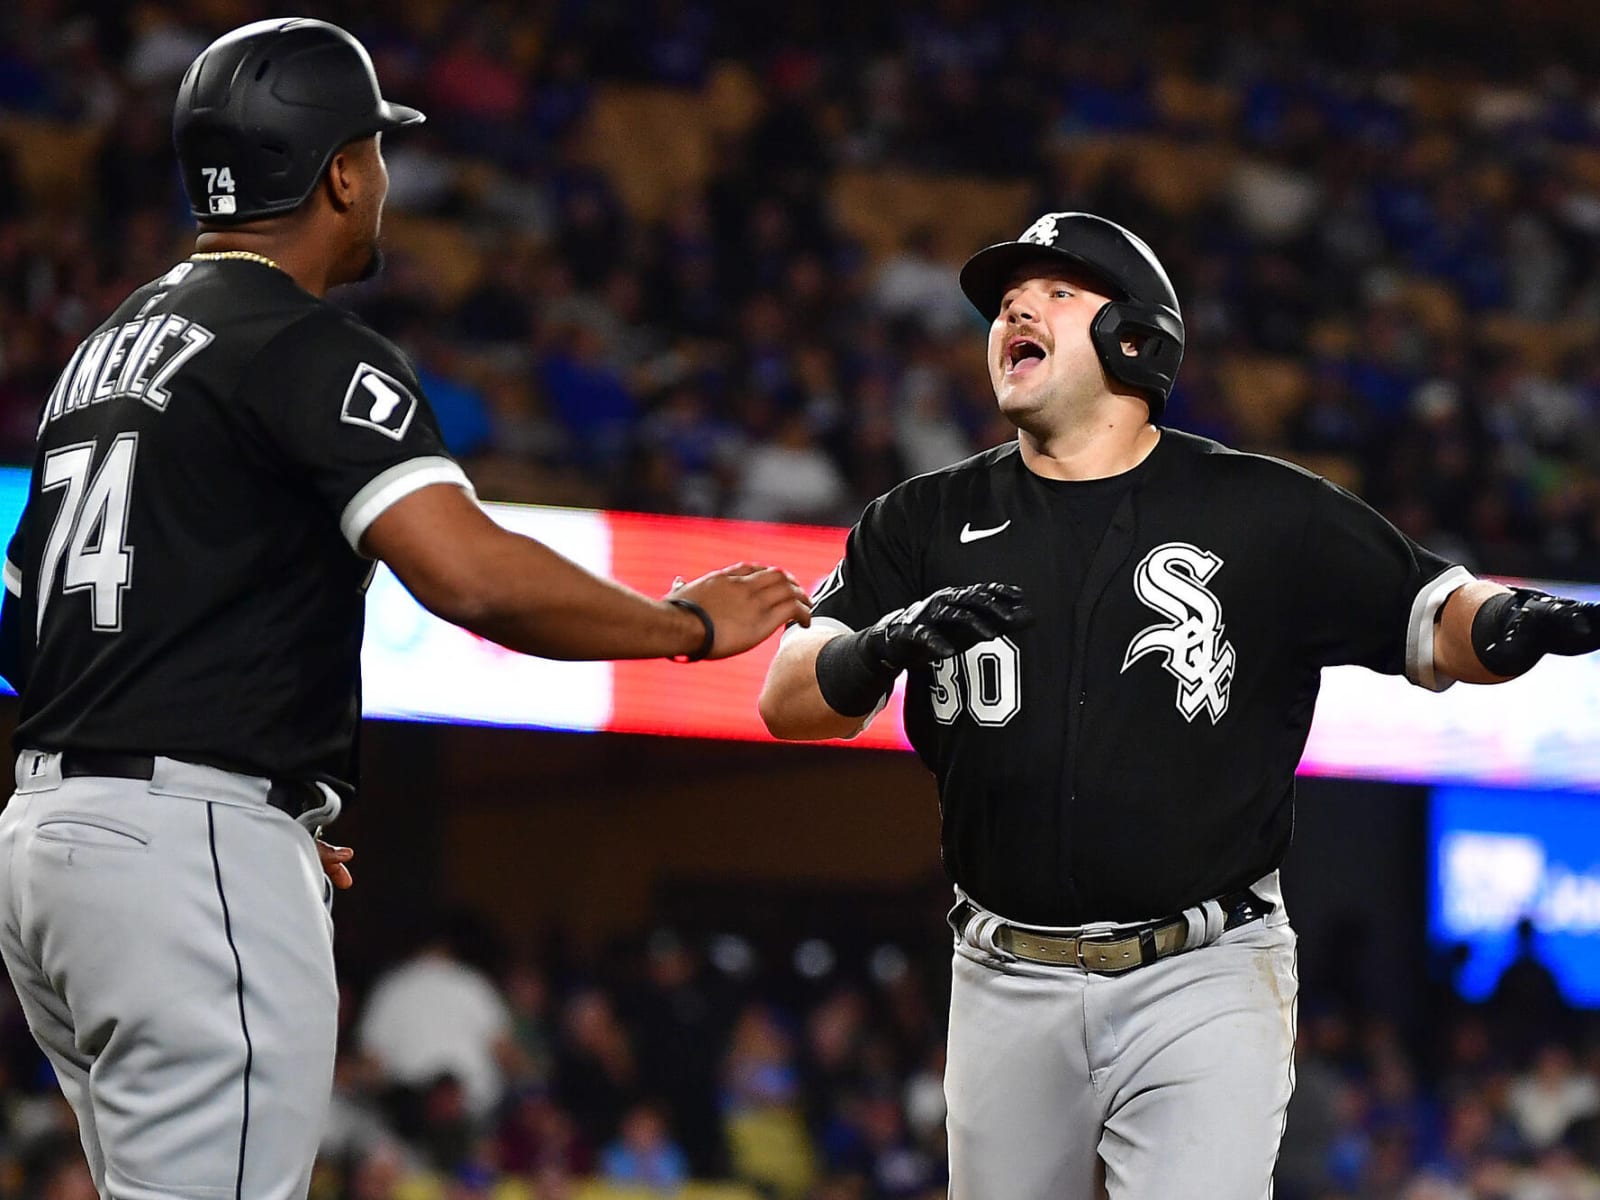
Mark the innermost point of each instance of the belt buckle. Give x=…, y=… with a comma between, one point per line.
x=1104, y=938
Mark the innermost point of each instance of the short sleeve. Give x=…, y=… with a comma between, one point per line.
x=345, y=406
x=1370, y=595
x=877, y=573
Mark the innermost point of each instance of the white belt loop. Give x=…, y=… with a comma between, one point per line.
x=38, y=770
x=325, y=813
x=1205, y=921
x=982, y=929
x=1270, y=889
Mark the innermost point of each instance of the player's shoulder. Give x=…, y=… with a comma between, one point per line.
x=1187, y=454
x=325, y=341
x=925, y=492
x=329, y=325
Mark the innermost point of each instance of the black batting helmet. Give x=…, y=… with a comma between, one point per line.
x=1144, y=302
x=263, y=110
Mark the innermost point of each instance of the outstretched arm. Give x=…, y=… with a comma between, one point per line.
x=829, y=682
x=463, y=567
x=1489, y=634
x=1453, y=655
x=791, y=702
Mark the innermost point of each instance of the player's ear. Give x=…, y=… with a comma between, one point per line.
x=341, y=181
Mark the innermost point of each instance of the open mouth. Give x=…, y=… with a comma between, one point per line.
x=1023, y=355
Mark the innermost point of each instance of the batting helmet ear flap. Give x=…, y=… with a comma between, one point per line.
x=1158, y=334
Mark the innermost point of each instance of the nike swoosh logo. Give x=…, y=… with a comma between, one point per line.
x=969, y=534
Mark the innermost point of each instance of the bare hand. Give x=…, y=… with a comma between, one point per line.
x=333, y=863
x=747, y=602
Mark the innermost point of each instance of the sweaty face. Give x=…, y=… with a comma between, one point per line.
x=1041, y=361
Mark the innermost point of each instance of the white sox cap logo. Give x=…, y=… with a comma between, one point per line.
x=378, y=401
x=1171, y=580
x=1043, y=231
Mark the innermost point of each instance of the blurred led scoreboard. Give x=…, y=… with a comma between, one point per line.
x=1498, y=856
x=1543, y=731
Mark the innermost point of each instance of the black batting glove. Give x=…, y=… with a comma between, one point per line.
x=856, y=671
x=1514, y=630
x=946, y=623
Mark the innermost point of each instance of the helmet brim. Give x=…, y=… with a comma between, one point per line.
x=986, y=275
x=398, y=116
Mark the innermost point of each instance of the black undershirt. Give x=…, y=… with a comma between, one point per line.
x=1082, y=510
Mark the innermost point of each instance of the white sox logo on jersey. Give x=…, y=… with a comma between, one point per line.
x=1171, y=580
x=378, y=401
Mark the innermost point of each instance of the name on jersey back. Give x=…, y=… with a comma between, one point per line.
x=135, y=360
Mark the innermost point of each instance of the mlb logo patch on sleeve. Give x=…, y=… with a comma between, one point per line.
x=378, y=401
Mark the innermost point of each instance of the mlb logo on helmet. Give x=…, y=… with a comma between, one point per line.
x=223, y=204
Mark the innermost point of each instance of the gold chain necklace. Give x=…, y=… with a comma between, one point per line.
x=246, y=255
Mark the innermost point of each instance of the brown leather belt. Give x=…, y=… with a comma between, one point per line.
x=290, y=796
x=1115, y=950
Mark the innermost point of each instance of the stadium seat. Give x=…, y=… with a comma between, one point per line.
x=654, y=143
x=443, y=250
x=1181, y=176
x=1262, y=394
x=53, y=158
x=1331, y=338
x=1583, y=165
x=1186, y=101
x=1176, y=175
x=732, y=100
x=600, y=1190
x=1434, y=98
x=771, y=1147
x=1543, y=345
x=1436, y=306
x=878, y=207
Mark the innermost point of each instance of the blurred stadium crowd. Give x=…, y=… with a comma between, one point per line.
x=683, y=256
x=657, y=254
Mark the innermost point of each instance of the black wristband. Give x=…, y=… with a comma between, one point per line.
x=705, y=619
x=852, y=683
x=1490, y=625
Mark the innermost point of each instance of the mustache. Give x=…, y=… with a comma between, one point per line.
x=1029, y=333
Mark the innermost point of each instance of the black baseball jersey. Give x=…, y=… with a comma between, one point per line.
x=185, y=580
x=1133, y=752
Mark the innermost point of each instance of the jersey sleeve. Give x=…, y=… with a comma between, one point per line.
x=344, y=405
x=878, y=572
x=1370, y=595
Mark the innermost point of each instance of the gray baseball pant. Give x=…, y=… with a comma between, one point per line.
x=1173, y=1078
x=171, y=944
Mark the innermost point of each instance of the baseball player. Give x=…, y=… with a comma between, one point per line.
x=1116, y=756
x=218, y=466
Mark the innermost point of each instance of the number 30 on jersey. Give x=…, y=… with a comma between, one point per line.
x=986, y=681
